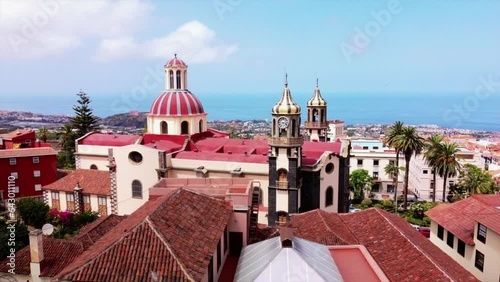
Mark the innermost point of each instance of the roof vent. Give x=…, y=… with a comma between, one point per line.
x=286, y=237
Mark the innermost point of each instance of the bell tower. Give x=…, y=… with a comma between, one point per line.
x=284, y=159
x=316, y=124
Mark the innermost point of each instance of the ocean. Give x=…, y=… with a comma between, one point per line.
x=457, y=110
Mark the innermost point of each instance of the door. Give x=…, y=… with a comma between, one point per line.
x=235, y=243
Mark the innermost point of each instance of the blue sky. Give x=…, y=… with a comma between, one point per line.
x=244, y=46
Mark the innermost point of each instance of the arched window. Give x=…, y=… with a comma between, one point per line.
x=93, y=167
x=315, y=115
x=178, y=73
x=322, y=114
x=293, y=128
x=282, y=217
x=201, y=125
x=185, y=127
x=171, y=79
x=164, y=127
x=282, y=181
x=136, y=189
x=274, y=127
x=329, y=196
x=185, y=79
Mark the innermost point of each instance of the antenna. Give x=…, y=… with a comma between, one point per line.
x=47, y=229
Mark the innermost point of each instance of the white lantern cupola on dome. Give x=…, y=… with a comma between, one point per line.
x=176, y=74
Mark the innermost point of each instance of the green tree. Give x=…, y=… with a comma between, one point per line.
x=390, y=140
x=360, y=182
x=476, y=181
x=32, y=211
x=410, y=143
x=446, y=162
x=431, y=147
x=43, y=134
x=84, y=121
x=21, y=238
x=390, y=170
x=66, y=158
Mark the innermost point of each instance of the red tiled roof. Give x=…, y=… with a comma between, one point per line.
x=93, y=182
x=402, y=253
x=31, y=152
x=173, y=237
x=59, y=253
x=460, y=217
x=316, y=226
x=312, y=151
x=102, y=139
x=16, y=134
x=176, y=103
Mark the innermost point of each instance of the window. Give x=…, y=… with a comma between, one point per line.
x=375, y=175
x=440, y=232
x=481, y=233
x=171, y=75
x=219, y=255
x=365, y=147
x=479, y=261
x=200, y=126
x=225, y=240
x=36, y=160
x=164, y=127
x=12, y=161
x=178, y=79
x=282, y=181
x=185, y=127
x=36, y=173
x=55, y=200
x=14, y=174
x=329, y=196
x=70, y=202
x=390, y=188
x=329, y=168
x=102, y=207
x=360, y=162
x=450, y=239
x=375, y=147
x=425, y=171
x=94, y=167
x=136, y=189
x=461, y=248
x=38, y=187
x=86, y=203
x=375, y=162
x=391, y=161
x=282, y=217
x=135, y=157
x=376, y=187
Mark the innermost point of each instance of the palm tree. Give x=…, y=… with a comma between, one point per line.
x=410, y=143
x=43, y=134
x=390, y=140
x=476, y=181
x=431, y=146
x=446, y=162
x=67, y=138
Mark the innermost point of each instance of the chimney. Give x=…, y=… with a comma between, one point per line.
x=36, y=250
x=78, y=197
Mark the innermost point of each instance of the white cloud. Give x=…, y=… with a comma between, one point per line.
x=194, y=41
x=38, y=28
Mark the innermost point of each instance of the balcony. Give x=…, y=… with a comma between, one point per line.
x=315, y=124
x=282, y=184
x=285, y=141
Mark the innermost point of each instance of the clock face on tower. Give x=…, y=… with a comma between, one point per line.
x=282, y=122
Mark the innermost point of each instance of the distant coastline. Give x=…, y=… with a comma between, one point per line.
x=446, y=110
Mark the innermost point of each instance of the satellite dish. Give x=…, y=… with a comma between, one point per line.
x=47, y=229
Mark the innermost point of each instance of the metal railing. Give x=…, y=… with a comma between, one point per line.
x=315, y=124
x=286, y=141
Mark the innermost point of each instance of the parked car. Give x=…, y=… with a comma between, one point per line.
x=417, y=227
x=354, y=210
x=426, y=231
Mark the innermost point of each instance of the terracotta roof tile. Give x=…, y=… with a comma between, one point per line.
x=401, y=252
x=173, y=236
x=31, y=152
x=94, y=182
x=59, y=253
x=460, y=217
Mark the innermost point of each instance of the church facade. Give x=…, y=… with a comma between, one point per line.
x=293, y=175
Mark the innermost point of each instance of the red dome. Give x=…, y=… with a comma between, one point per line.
x=176, y=62
x=176, y=103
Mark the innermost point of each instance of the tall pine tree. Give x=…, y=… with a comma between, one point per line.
x=84, y=121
